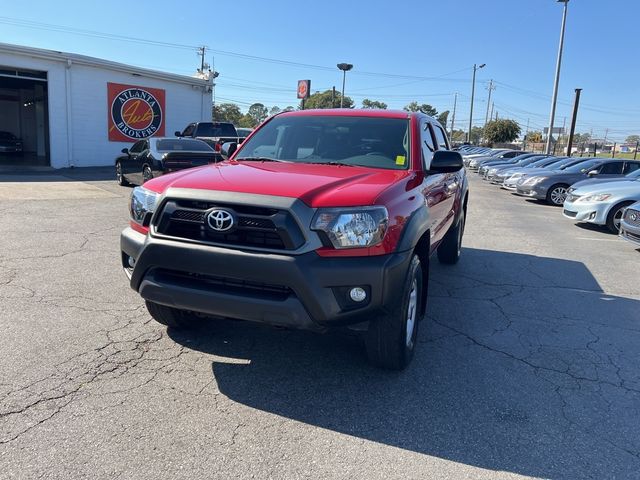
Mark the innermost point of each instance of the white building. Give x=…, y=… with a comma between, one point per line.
x=73, y=110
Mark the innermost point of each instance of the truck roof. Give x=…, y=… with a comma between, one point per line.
x=351, y=112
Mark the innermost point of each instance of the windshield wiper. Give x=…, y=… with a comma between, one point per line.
x=261, y=159
x=333, y=163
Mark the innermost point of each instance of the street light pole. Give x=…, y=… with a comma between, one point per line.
x=345, y=67
x=557, y=79
x=473, y=92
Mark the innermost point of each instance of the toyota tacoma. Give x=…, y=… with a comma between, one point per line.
x=321, y=219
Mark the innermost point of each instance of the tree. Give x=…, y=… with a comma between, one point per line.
x=424, y=108
x=501, y=131
x=534, y=137
x=458, y=136
x=443, y=117
x=275, y=110
x=476, y=134
x=633, y=139
x=366, y=103
x=226, y=112
x=258, y=113
x=288, y=108
x=323, y=100
x=580, y=138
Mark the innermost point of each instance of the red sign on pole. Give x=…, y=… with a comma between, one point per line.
x=304, y=87
x=134, y=112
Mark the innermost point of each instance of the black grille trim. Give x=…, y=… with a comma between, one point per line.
x=223, y=284
x=256, y=226
x=571, y=214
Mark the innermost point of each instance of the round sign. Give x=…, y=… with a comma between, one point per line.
x=303, y=89
x=136, y=113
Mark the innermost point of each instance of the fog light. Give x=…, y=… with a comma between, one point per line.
x=132, y=262
x=358, y=294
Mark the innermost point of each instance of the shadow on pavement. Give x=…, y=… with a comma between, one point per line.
x=508, y=344
x=48, y=174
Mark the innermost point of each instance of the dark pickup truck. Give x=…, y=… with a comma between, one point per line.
x=320, y=219
x=214, y=133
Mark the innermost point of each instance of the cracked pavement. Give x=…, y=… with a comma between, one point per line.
x=528, y=363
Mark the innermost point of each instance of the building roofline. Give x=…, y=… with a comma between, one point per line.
x=66, y=57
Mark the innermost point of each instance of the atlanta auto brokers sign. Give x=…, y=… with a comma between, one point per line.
x=134, y=112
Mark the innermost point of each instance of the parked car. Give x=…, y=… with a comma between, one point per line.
x=602, y=203
x=630, y=224
x=513, y=161
x=9, y=143
x=493, y=173
x=243, y=133
x=156, y=156
x=213, y=133
x=477, y=162
x=594, y=181
x=321, y=219
x=518, y=173
x=553, y=186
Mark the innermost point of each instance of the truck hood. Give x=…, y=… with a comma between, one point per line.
x=316, y=185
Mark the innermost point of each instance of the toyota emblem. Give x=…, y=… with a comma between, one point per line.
x=220, y=220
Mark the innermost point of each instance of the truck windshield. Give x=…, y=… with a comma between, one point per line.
x=374, y=142
x=216, y=130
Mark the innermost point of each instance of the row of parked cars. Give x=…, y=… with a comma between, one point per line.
x=599, y=191
x=198, y=144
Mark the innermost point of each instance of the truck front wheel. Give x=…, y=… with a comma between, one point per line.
x=391, y=338
x=171, y=317
x=451, y=246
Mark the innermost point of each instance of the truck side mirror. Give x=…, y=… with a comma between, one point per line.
x=445, y=161
x=177, y=133
x=227, y=149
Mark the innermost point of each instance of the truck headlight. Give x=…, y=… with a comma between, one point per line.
x=143, y=204
x=352, y=227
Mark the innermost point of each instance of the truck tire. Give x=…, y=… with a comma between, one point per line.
x=451, y=246
x=171, y=317
x=391, y=338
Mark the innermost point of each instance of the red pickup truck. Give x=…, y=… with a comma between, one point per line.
x=321, y=219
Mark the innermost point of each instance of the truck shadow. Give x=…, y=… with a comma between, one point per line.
x=485, y=386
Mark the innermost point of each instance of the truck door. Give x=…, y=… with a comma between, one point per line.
x=433, y=187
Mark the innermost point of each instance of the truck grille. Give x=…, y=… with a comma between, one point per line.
x=256, y=226
x=632, y=217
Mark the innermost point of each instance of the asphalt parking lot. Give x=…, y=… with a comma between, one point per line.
x=528, y=363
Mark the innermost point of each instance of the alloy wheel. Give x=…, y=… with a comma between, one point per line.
x=558, y=195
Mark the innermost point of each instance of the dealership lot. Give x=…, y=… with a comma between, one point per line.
x=527, y=366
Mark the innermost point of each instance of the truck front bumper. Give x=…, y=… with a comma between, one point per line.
x=302, y=291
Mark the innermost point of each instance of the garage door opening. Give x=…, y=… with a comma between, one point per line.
x=24, y=118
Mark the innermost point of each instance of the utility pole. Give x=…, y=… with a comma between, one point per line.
x=453, y=117
x=554, y=100
x=606, y=134
x=490, y=87
x=333, y=97
x=491, y=116
x=496, y=115
x=635, y=154
x=574, y=117
x=473, y=92
x=564, y=125
x=524, y=140
x=202, y=52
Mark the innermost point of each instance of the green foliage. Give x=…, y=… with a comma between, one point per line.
x=501, y=131
x=580, y=138
x=323, y=100
x=274, y=110
x=443, y=117
x=226, y=112
x=366, y=103
x=632, y=139
x=458, y=136
x=258, y=112
x=424, y=108
x=534, y=137
x=476, y=134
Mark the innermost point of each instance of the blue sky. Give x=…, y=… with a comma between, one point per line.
x=401, y=51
